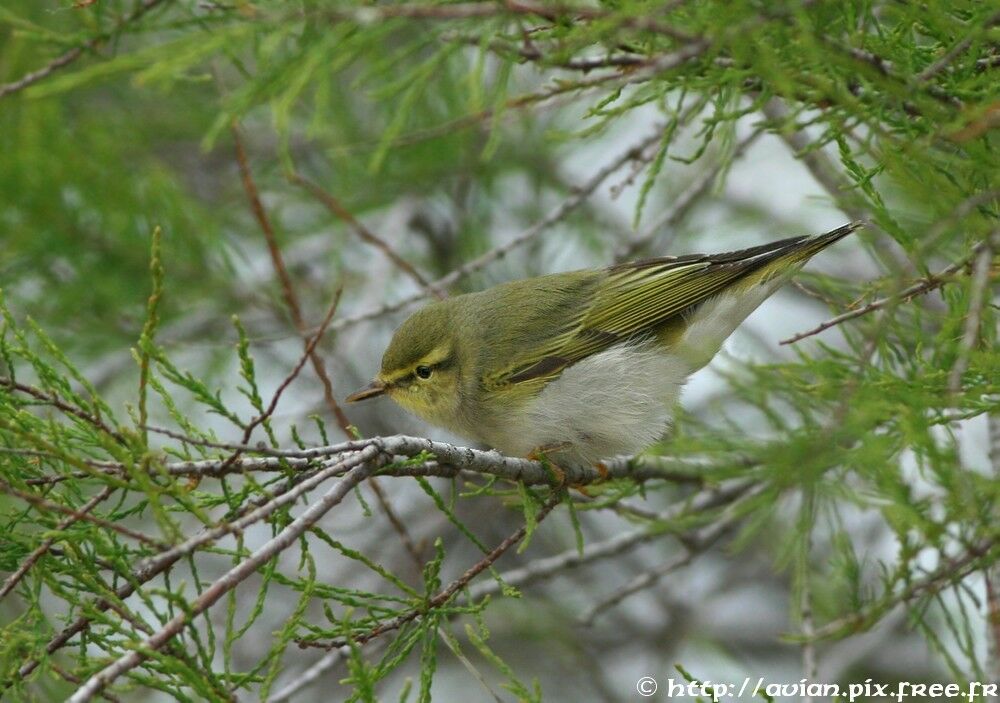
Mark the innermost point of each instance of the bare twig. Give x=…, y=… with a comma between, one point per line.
x=72, y=678
x=693, y=546
x=810, y=665
x=310, y=675
x=546, y=567
x=645, y=580
x=309, y=353
x=398, y=526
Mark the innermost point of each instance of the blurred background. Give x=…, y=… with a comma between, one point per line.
x=380, y=147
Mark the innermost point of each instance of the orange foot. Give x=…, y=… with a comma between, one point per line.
x=541, y=453
x=602, y=469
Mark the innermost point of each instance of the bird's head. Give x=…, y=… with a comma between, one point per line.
x=421, y=369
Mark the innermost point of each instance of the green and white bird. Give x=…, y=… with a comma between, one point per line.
x=584, y=365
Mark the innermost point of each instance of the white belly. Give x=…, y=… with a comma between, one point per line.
x=621, y=400
x=618, y=401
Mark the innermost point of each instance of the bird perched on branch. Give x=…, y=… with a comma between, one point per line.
x=585, y=365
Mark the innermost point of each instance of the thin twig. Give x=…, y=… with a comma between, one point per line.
x=398, y=526
x=310, y=675
x=291, y=300
x=568, y=205
x=449, y=591
x=286, y=537
x=547, y=567
x=80, y=514
x=309, y=353
x=810, y=666
x=56, y=402
x=534, y=54
x=74, y=679
x=956, y=50
x=41, y=549
x=928, y=284
x=363, y=232
x=67, y=58
x=645, y=580
x=951, y=571
x=370, y=14
x=693, y=546
x=822, y=168
x=888, y=69
x=977, y=298
x=831, y=179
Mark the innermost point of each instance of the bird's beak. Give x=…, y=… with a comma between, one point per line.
x=372, y=390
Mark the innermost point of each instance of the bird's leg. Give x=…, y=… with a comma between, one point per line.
x=602, y=469
x=541, y=452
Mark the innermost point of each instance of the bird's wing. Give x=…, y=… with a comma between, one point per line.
x=637, y=298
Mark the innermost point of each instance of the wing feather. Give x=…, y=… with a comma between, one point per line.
x=637, y=298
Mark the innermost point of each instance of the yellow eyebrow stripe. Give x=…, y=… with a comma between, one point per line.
x=432, y=358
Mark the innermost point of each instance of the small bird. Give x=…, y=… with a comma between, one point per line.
x=585, y=365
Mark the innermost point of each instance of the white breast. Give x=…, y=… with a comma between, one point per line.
x=618, y=401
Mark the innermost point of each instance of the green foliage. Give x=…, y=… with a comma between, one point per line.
x=125, y=225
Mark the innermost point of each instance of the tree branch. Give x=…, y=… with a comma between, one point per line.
x=365, y=234
x=40, y=550
x=449, y=591
x=288, y=289
x=560, y=212
x=67, y=58
x=223, y=585
x=927, y=285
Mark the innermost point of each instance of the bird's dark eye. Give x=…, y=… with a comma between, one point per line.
x=424, y=371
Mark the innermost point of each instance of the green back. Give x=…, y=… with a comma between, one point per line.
x=564, y=318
